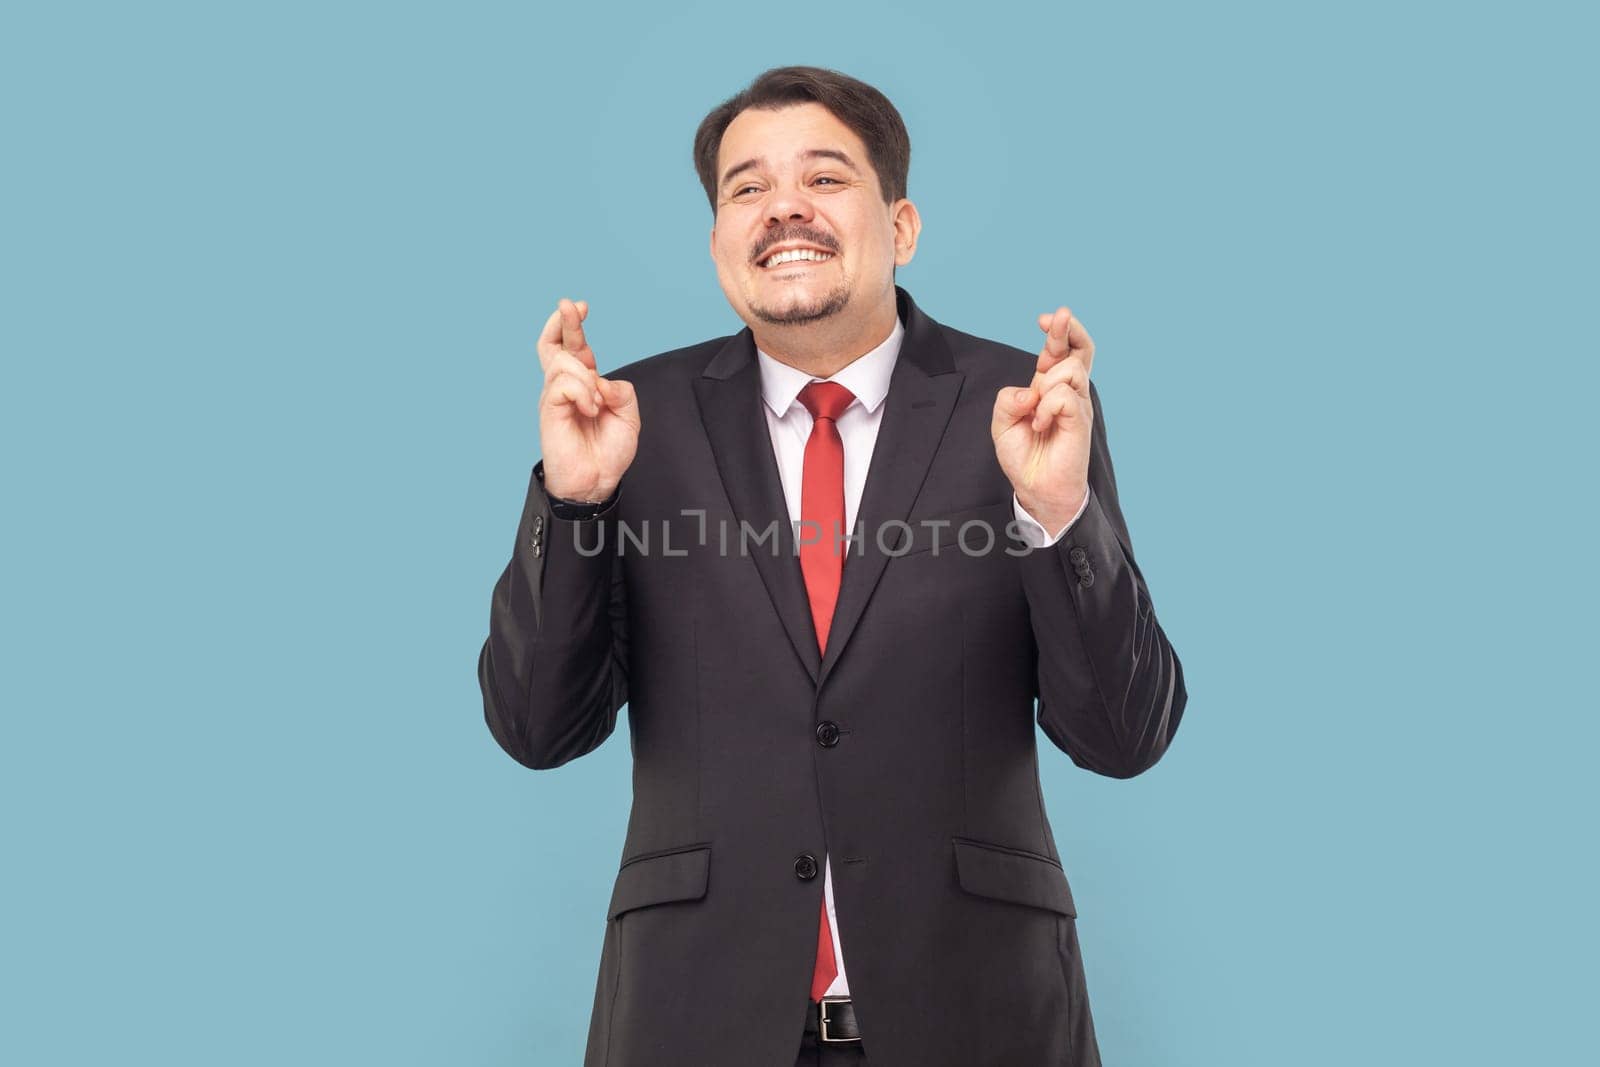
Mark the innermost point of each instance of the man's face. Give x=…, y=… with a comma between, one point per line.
x=798, y=180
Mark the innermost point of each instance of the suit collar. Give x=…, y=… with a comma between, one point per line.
x=866, y=376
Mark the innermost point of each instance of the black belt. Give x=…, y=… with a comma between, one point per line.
x=833, y=1021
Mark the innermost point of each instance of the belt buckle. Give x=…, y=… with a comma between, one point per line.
x=822, y=1022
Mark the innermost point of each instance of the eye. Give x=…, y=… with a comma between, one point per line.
x=742, y=190
x=825, y=178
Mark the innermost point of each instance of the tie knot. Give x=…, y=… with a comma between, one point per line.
x=826, y=400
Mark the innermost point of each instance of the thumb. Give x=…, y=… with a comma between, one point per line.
x=1011, y=405
x=620, y=397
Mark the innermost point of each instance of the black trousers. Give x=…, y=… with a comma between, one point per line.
x=814, y=1053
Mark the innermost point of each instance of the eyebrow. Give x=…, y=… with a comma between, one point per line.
x=810, y=153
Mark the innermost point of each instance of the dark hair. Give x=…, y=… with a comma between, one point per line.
x=867, y=112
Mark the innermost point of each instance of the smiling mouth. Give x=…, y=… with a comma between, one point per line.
x=794, y=257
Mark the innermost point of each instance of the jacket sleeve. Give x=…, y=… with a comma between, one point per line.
x=1110, y=686
x=554, y=668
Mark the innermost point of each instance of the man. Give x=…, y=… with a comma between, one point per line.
x=829, y=562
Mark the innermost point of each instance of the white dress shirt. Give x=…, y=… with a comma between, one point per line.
x=789, y=423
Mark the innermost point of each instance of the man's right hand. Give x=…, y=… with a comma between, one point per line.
x=588, y=425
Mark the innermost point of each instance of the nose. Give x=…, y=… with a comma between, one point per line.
x=788, y=204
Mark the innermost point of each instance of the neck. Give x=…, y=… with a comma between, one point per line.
x=824, y=348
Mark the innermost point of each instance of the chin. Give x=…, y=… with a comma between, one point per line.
x=797, y=309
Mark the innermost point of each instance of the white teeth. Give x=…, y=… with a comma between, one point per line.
x=799, y=254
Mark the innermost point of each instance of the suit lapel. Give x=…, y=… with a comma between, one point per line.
x=729, y=394
x=922, y=395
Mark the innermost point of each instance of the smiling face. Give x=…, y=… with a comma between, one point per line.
x=802, y=234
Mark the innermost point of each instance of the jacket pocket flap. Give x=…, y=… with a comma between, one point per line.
x=1012, y=875
x=681, y=874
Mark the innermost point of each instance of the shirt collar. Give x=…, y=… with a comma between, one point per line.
x=867, y=377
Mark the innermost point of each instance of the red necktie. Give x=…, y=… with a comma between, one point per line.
x=822, y=564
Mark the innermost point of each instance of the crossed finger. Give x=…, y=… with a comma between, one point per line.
x=564, y=362
x=1070, y=371
x=563, y=332
x=1064, y=336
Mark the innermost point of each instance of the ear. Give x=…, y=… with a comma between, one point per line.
x=907, y=225
x=712, y=246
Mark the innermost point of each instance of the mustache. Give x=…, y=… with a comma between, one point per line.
x=795, y=233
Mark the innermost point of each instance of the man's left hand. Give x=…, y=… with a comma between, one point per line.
x=1041, y=430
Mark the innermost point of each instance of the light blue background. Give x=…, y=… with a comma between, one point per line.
x=272, y=278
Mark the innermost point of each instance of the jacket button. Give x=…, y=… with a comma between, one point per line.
x=805, y=868
x=1077, y=555
x=827, y=733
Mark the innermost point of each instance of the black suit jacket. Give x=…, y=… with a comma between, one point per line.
x=906, y=751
